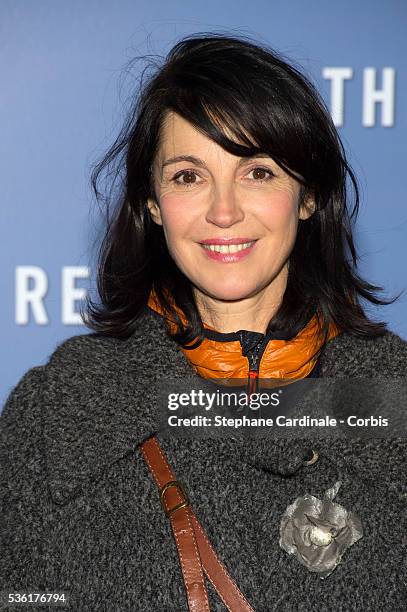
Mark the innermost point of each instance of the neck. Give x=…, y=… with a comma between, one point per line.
x=252, y=313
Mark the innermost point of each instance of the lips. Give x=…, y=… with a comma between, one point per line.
x=227, y=240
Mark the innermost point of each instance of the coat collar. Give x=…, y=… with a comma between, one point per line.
x=99, y=405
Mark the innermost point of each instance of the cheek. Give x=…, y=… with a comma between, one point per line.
x=279, y=212
x=176, y=217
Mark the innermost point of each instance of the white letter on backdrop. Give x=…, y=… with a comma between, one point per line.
x=338, y=76
x=372, y=96
x=26, y=296
x=70, y=293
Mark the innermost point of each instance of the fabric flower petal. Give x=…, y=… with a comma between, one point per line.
x=318, y=532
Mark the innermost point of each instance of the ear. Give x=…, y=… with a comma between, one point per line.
x=155, y=211
x=307, y=208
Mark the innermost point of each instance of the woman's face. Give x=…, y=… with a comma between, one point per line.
x=230, y=223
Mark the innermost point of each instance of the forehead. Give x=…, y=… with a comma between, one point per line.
x=177, y=133
x=178, y=137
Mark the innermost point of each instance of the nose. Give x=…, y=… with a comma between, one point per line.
x=224, y=209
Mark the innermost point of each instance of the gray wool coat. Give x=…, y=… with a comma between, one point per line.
x=80, y=511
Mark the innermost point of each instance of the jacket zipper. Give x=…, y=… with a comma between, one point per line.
x=254, y=358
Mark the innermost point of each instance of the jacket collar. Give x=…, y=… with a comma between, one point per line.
x=271, y=355
x=99, y=406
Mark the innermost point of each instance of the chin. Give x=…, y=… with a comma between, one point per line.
x=228, y=292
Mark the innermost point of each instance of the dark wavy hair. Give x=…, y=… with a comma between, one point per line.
x=223, y=83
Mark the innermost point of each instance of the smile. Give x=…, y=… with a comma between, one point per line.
x=228, y=248
x=232, y=251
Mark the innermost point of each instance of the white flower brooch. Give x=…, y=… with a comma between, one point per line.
x=318, y=532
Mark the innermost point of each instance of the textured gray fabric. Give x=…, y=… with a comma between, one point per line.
x=79, y=509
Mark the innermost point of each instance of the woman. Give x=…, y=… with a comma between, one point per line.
x=229, y=256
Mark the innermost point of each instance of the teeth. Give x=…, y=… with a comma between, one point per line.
x=227, y=248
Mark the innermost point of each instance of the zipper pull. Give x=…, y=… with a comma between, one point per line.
x=253, y=383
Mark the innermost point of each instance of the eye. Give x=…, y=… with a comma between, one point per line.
x=259, y=170
x=189, y=174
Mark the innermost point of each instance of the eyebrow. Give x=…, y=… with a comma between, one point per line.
x=199, y=162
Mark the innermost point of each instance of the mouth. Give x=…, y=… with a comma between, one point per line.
x=228, y=250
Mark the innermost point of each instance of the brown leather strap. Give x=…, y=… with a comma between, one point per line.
x=191, y=538
x=225, y=586
x=179, y=513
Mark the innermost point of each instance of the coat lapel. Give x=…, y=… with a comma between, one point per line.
x=99, y=399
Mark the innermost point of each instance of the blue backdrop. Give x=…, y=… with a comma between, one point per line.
x=63, y=90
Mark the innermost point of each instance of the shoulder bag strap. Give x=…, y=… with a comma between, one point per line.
x=194, y=548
